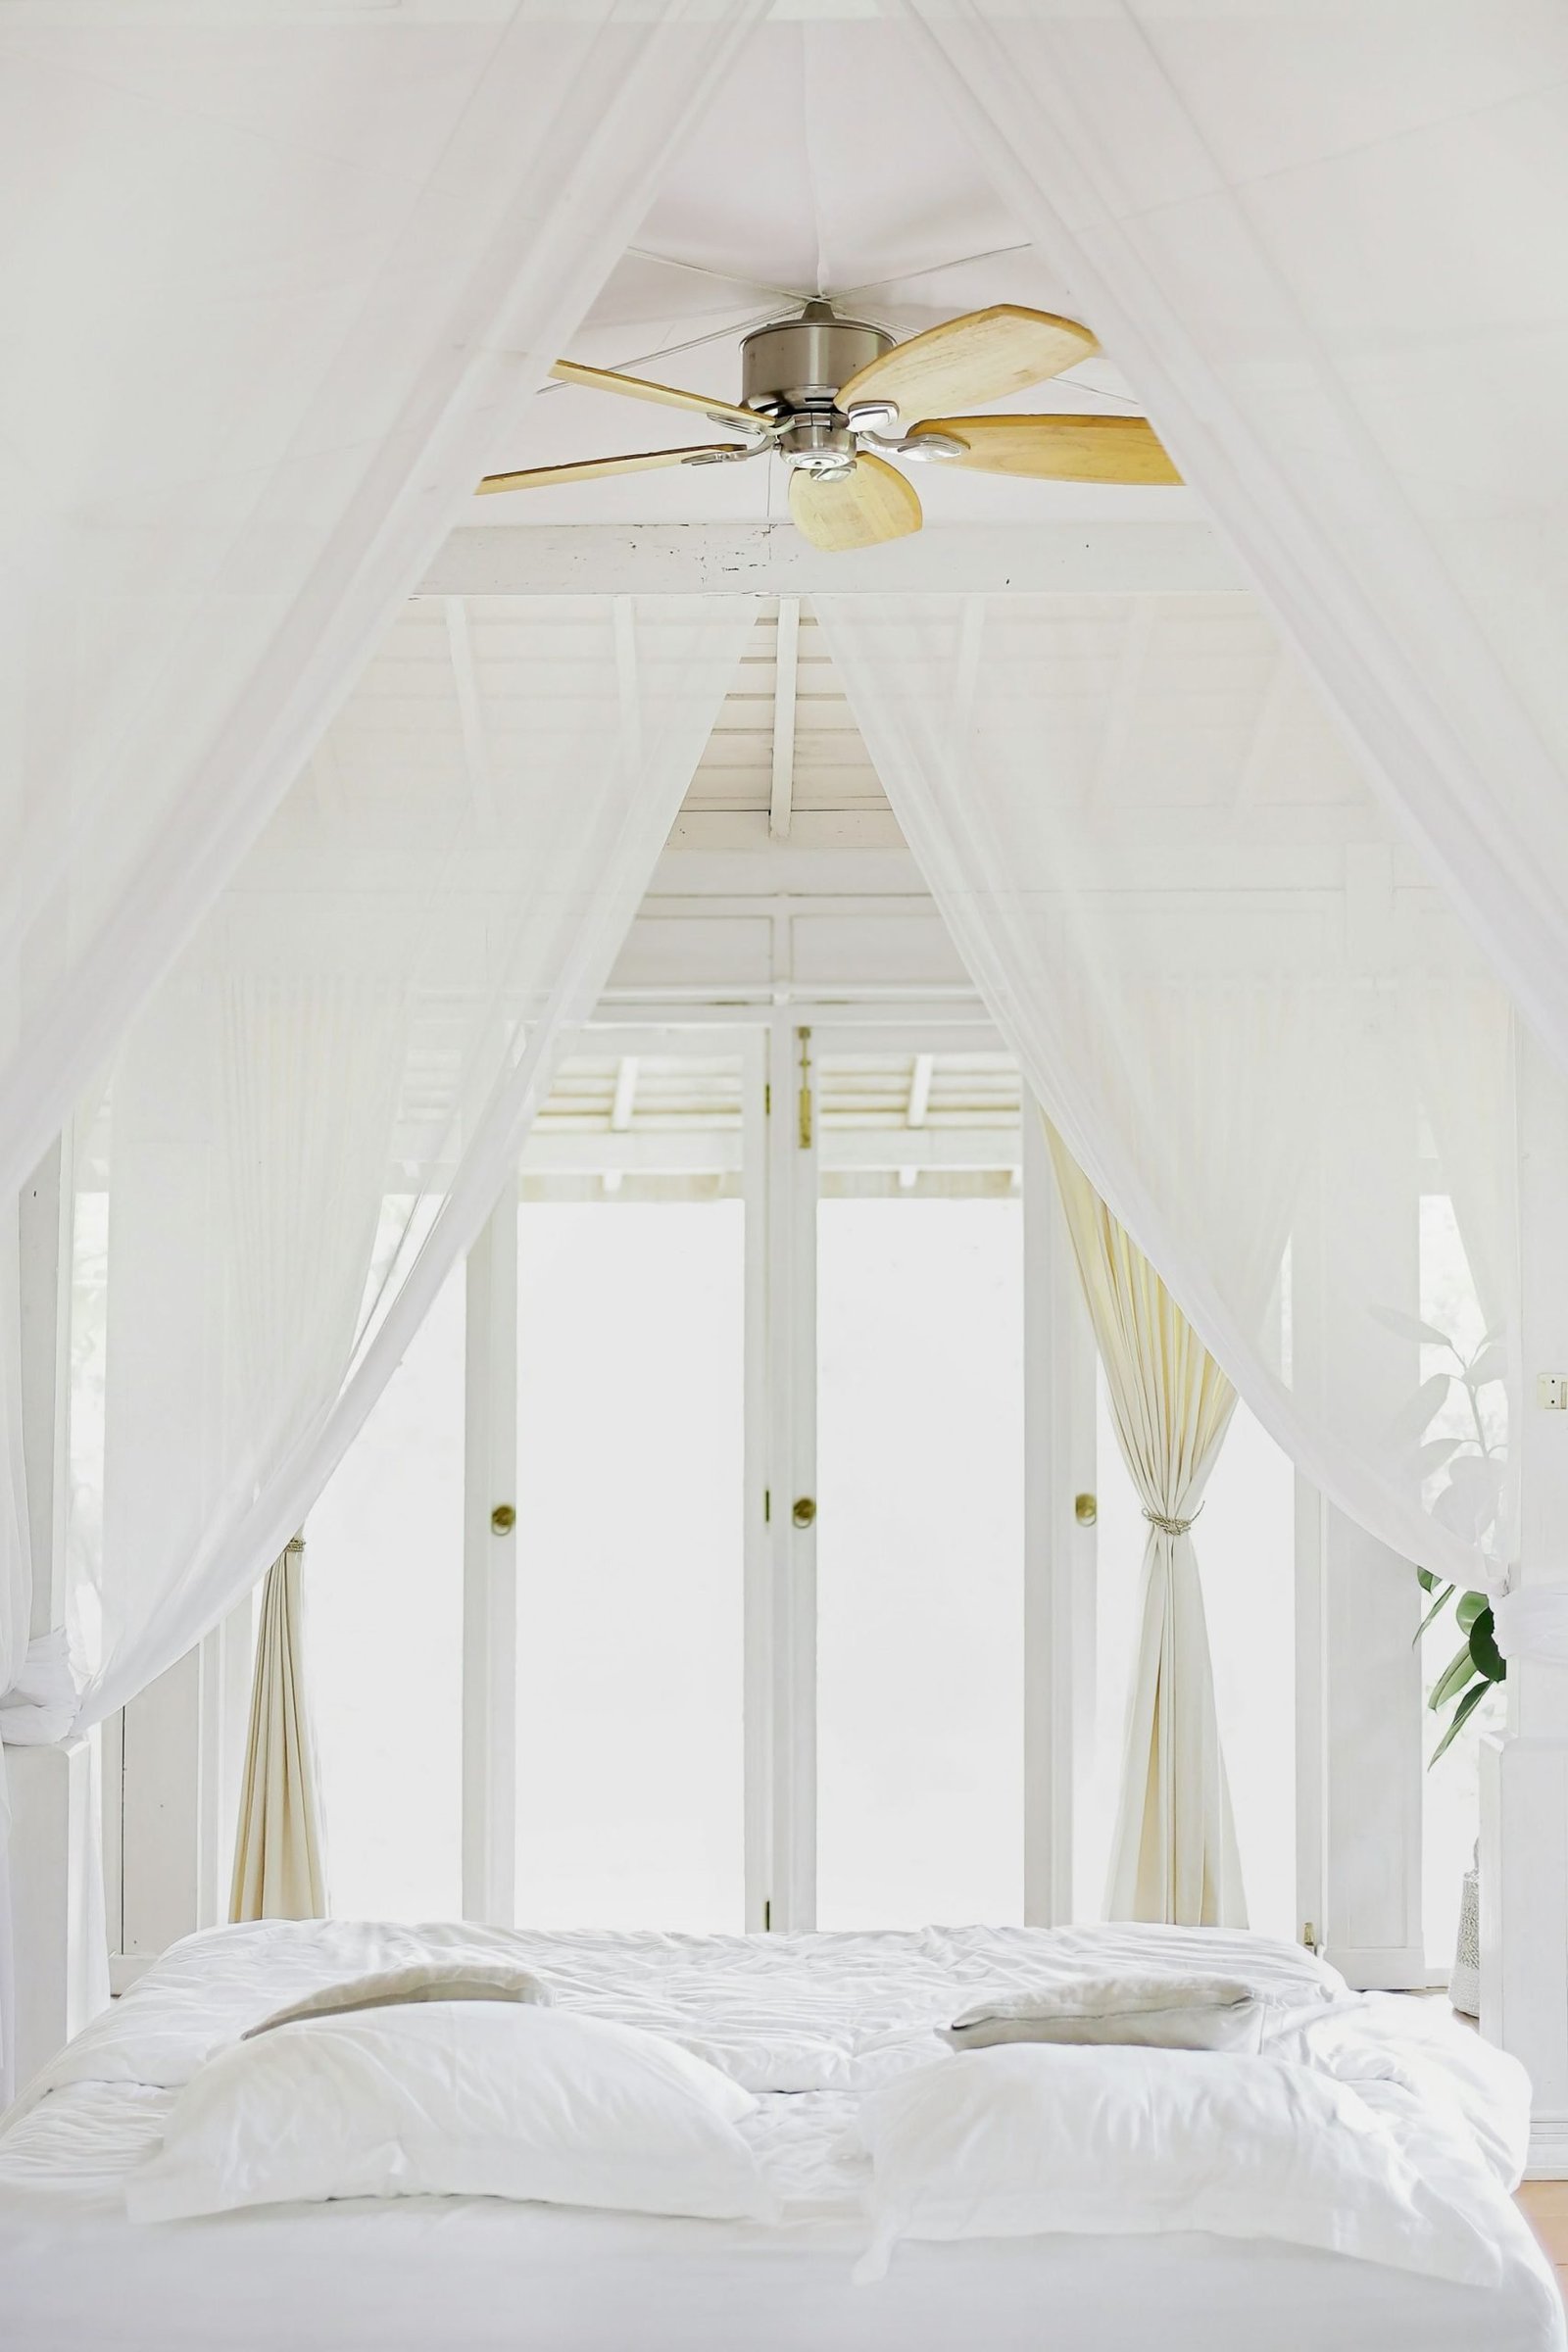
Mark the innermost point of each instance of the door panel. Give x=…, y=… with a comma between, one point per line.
x=919, y=1533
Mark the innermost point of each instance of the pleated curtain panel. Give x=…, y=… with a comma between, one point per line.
x=1174, y=1855
x=279, y=1871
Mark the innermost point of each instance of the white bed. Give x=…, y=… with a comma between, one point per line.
x=809, y=2024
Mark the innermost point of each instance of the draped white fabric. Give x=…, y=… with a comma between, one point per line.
x=286, y=277
x=18, y=1704
x=1326, y=247
x=1217, y=968
x=1174, y=1855
x=313, y=1116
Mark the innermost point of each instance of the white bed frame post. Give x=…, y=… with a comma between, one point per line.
x=61, y=1953
x=1059, y=1555
x=792, y=1158
x=1358, y=1676
x=1524, y=1771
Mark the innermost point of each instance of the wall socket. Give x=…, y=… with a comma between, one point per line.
x=1551, y=1392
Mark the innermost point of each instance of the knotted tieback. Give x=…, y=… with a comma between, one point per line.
x=1171, y=1526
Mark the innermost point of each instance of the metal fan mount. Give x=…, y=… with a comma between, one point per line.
x=791, y=374
x=827, y=394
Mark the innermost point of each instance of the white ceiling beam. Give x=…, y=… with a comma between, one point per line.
x=1263, y=748
x=719, y=1151
x=921, y=1090
x=771, y=559
x=916, y=1108
x=1121, y=707
x=625, y=1093
x=470, y=718
x=785, y=673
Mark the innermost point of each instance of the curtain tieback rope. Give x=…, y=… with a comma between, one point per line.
x=1171, y=1526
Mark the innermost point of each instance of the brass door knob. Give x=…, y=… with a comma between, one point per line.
x=804, y=1510
x=1085, y=1509
x=503, y=1519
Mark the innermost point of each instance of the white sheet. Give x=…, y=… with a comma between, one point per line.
x=424, y=2274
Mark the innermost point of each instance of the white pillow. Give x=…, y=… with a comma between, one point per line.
x=1024, y=2139
x=1159, y=2012
x=468, y=2098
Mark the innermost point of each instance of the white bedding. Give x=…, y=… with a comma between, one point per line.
x=821, y=2018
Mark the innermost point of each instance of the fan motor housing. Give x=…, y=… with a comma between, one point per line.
x=801, y=363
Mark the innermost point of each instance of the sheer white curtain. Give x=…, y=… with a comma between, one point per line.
x=284, y=277
x=1188, y=915
x=312, y=1118
x=1330, y=249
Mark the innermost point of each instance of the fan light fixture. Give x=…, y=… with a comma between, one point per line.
x=835, y=398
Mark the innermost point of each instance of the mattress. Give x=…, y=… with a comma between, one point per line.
x=810, y=2023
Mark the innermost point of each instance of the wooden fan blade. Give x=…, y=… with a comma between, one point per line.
x=589, y=470
x=1059, y=448
x=854, y=509
x=986, y=354
x=637, y=387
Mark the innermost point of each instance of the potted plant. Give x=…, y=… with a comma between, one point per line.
x=1475, y=1667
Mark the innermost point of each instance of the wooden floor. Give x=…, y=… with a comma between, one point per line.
x=1545, y=2202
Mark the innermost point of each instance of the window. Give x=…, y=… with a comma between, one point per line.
x=631, y=1504
x=717, y=1713
x=920, y=1409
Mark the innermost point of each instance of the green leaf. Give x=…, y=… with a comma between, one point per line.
x=1471, y=1605
x=1436, y=1608
x=1410, y=1327
x=1452, y=1678
x=1461, y=1714
x=1487, y=1363
x=1488, y=1658
x=1409, y=1425
x=1426, y=1579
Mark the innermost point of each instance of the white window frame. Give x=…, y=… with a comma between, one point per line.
x=780, y=1161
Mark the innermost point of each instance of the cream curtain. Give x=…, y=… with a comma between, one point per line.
x=279, y=1871
x=1174, y=1856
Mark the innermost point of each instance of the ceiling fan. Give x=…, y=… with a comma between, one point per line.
x=835, y=398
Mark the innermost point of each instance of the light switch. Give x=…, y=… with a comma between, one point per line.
x=1551, y=1392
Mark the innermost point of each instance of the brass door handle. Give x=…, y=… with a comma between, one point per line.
x=503, y=1519
x=1085, y=1509
x=805, y=1511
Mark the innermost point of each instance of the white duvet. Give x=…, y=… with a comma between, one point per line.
x=779, y=2013
x=809, y=2025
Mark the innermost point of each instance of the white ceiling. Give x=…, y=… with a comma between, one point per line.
x=829, y=163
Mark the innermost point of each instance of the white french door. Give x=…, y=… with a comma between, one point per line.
x=921, y=1765
x=766, y=1431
